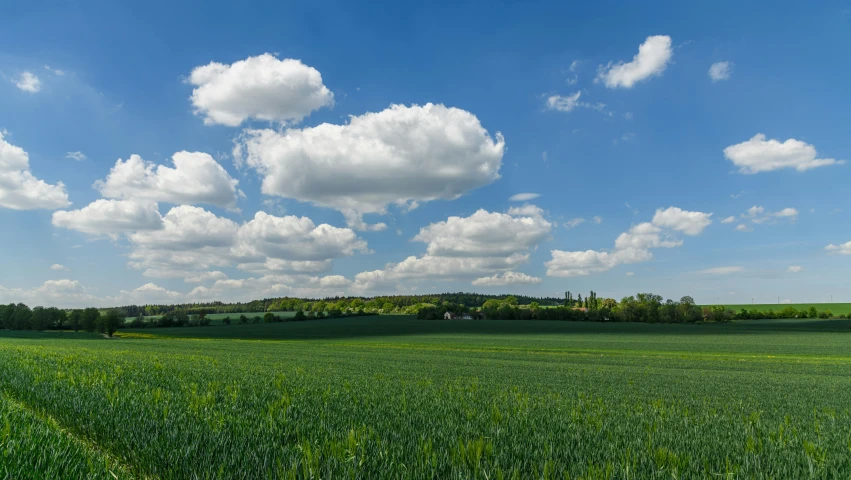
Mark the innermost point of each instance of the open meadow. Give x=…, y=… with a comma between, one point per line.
x=394, y=397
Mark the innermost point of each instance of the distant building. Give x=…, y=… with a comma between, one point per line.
x=455, y=316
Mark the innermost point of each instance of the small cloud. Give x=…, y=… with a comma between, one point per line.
x=627, y=137
x=843, y=249
x=544, y=156
x=574, y=65
x=574, y=222
x=743, y=228
x=55, y=71
x=28, y=82
x=57, y=267
x=720, y=71
x=786, y=302
x=627, y=116
x=721, y=270
x=598, y=220
x=78, y=156
x=630, y=274
x=523, y=197
x=572, y=80
x=737, y=195
x=729, y=219
x=794, y=269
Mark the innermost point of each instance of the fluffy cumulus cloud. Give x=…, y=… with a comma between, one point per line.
x=78, y=156
x=484, y=234
x=842, y=249
x=506, y=278
x=651, y=60
x=28, y=82
x=483, y=244
x=632, y=246
x=110, y=217
x=569, y=103
x=195, y=178
x=260, y=88
x=401, y=155
x=721, y=270
x=59, y=293
x=690, y=223
x=720, y=71
x=19, y=189
x=266, y=286
x=760, y=155
x=193, y=241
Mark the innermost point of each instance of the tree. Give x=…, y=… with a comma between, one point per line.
x=534, y=305
x=40, y=318
x=111, y=322
x=23, y=317
x=388, y=307
x=75, y=320
x=226, y=320
x=270, y=317
x=299, y=315
x=90, y=319
x=243, y=319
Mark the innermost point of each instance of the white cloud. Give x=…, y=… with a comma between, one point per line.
x=630, y=274
x=524, y=197
x=690, y=223
x=574, y=222
x=57, y=267
x=597, y=219
x=720, y=71
x=483, y=244
x=206, y=277
x=721, y=270
x=272, y=286
x=55, y=71
x=261, y=88
x=843, y=249
x=761, y=155
x=194, y=241
x=758, y=214
x=786, y=301
x=110, y=217
x=563, y=104
x=729, y=219
x=632, y=246
x=579, y=263
x=78, y=156
x=651, y=60
x=399, y=155
x=485, y=234
x=628, y=137
x=294, y=238
x=61, y=293
x=506, y=278
x=794, y=268
x=19, y=189
x=195, y=178
x=742, y=228
x=28, y=82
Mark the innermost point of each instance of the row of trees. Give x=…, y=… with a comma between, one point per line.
x=21, y=317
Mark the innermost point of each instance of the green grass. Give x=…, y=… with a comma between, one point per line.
x=393, y=397
x=835, y=308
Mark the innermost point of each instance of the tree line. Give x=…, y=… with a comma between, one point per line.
x=21, y=317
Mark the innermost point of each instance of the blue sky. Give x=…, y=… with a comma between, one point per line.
x=611, y=114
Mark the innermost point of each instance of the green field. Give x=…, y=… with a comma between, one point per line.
x=393, y=397
x=835, y=308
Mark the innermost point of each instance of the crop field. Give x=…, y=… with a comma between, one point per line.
x=835, y=308
x=393, y=397
x=216, y=318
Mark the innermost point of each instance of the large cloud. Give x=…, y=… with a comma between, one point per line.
x=399, y=155
x=195, y=178
x=760, y=155
x=110, y=217
x=651, y=60
x=632, y=246
x=268, y=286
x=28, y=82
x=841, y=249
x=19, y=189
x=484, y=234
x=194, y=240
x=483, y=244
x=261, y=87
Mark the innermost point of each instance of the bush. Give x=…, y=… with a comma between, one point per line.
x=226, y=320
x=243, y=319
x=270, y=318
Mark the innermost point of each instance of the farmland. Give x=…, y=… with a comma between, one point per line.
x=394, y=397
x=835, y=308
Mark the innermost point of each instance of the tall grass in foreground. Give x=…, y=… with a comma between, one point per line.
x=407, y=408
